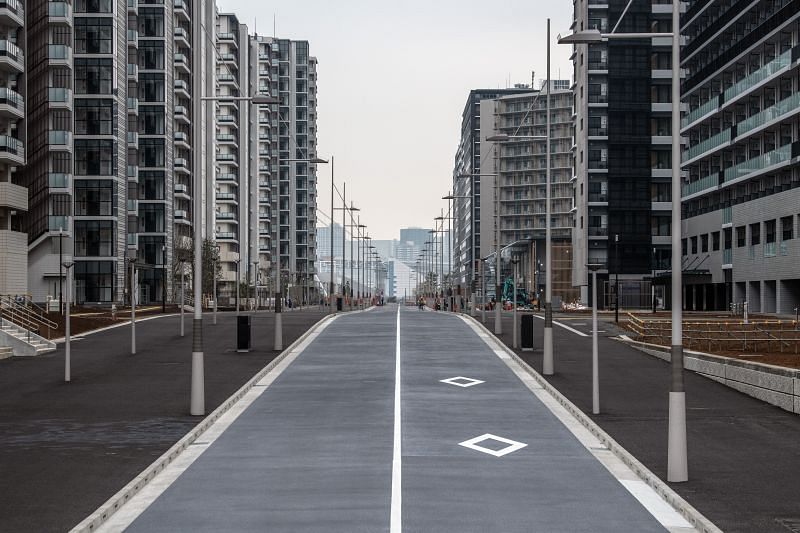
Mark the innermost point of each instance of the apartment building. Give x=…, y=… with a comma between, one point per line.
x=520, y=165
x=14, y=203
x=741, y=194
x=622, y=150
x=467, y=251
x=231, y=191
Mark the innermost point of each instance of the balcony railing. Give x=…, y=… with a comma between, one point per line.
x=598, y=231
x=709, y=182
x=701, y=111
x=757, y=76
x=727, y=215
x=771, y=113
x=12, y=98
x=57, y=222
x=727, y=256
x=56, y=137
x=775, y=157
x=58, y=180
x=709, y=144
x=770, y=249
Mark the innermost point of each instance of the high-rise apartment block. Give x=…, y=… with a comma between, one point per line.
x=466, y=214
x=741, y=194
x=14, y=201
x=622, y=147
x=137, y=110
x=521, y=183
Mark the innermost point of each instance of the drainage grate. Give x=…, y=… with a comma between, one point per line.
x=791, y=524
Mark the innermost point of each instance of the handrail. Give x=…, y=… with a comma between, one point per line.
x=24, y=313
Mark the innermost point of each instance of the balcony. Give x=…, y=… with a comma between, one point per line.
x=263, y=184
x=59, y=54
x=59, y=140
x=784, y=107
x=227, y=36
x=227, y=177
x=598, y=231
x=133, y=172
x=226, y=157
x=57, y=223
x=59, y=97
x=133, y=206
x=226, y=196
x=226, y=216
x=133, y=70
x=133, y=106
x=12, y=13
x=702, y=185
x=11, y=57
x=182, y=63
x=749, y=81
x=182, y=89
x=181, y=114
x=226, y=118
x=181, y=10
x=226, y=236
x=13, y=196
x=12, y=104
x=715, y=141
x=182, y=191
x=180, y=214
x=226, y=138
x=700, y=112
x=57, y=180
x=228, y=58
x=182, y=36
x=133, y=6
x=181, y=165
x=59, y=13
x=757, y=164
x=133, y=138
x=182, y=138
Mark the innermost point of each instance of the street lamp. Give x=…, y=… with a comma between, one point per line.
x=450, y=197
x=216, y=262
x=163, y=278
x=677, y=461
x=60, y=275
x=67, y=368
x=183, y=298
x=237, y=260
x=595, y=364
x=255, y=287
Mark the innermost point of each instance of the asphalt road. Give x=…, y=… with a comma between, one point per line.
x=744, y=458
x=67, y=448
x=321, y=448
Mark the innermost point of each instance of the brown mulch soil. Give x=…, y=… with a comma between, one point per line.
x=85, y=319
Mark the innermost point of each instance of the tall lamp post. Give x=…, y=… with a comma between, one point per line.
x=237, y=260
x=67, y=362
x=214, y=275
x=677, y=459
x=197, y=400
x=163, y=278
x=595, y=362
x=60, y=274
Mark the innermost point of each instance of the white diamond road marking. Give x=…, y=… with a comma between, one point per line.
x=461, y=381
x=512, y=447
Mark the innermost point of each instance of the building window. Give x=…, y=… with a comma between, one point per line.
x=94, y=281
x=93, y=76
x=151, y=218
x=770, y=231
x=787, y=228
x=94, y=238
x=94, y=117
x=715, y=241
x=151, y=185
x=93, y=6
x=151, y=87
x=704, y=243
x=151, y=152
x=741, y=236
x=94, y=157
x=151, y=22
x=94, y=198
x=755, y=234
x=683, y=247
x=151, y=120
x=151, y=55
x=93, y=35
x=694, y=245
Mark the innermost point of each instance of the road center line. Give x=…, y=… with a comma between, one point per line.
x=396, y=523
x=575, y=331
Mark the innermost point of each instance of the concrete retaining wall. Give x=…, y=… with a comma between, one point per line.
x=772, y=384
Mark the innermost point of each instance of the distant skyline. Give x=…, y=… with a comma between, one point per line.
x=393, y=81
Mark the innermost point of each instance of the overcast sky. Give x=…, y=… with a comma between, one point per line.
x=393, y=80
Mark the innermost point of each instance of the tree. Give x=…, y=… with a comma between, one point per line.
x=211, y=265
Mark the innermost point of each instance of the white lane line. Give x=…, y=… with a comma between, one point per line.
x=396, y=520
x=575, y=331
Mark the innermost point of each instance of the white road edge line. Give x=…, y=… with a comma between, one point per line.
x=123, y=508
x=396, y=520
x=664, y=504
x=575, y=331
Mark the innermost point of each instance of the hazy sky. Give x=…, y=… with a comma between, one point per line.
x=393, y=81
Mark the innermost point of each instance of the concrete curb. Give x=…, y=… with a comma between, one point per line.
x=692, y=515
x=113, y=504
x=775, y=385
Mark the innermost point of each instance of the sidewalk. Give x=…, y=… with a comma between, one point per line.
x=67, y=447
x=744, y=468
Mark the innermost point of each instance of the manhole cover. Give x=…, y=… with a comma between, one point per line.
x=791, y=524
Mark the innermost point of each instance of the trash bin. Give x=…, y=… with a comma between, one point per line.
x=339, y=304
x=526, y=333
x=243, y=333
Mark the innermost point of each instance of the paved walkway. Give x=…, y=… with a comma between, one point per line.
x=321, y=444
